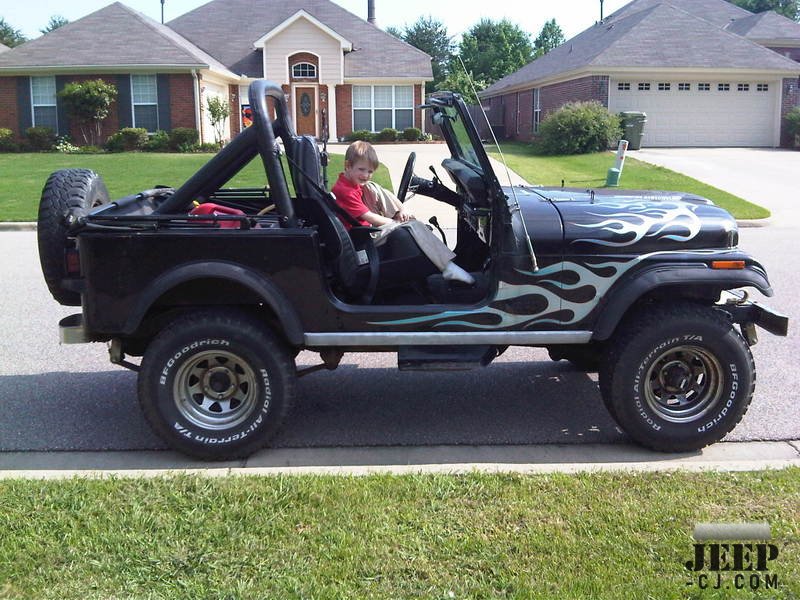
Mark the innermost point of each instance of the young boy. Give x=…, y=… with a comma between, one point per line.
x=372, y=205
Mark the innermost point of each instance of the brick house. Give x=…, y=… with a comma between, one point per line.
x=336, y=69
x=706, y=72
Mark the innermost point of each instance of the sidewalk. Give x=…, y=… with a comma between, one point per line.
x=723, y=456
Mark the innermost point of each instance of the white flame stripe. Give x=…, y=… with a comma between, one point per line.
x=640, y=220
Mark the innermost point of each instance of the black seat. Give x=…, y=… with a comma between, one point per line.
x=357, y=265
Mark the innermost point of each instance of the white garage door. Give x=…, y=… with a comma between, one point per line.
x=700, y=113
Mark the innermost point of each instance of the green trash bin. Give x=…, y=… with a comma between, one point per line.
x=633, y=128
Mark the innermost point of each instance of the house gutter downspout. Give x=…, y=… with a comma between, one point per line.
x=198, y=124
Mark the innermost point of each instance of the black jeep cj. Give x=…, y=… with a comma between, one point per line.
x=219, y=289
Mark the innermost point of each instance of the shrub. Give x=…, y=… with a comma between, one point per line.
x=127, y=139
x=579, y=128
x=360, y=134
x=63, y=144
x=7, y=143
x=40, y=139
x=89, y=103
x=412, y=134
x=207, y=147
x=183, y=139
x=387, y=135
x=158, y=142
x=793, y=124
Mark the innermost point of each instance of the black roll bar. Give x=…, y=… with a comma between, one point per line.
x=259, y=138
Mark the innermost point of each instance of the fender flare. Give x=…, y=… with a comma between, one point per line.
x=270, y=293
x=626, y=292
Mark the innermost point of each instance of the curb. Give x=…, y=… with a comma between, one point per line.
x=17, y=226
x=360, y=461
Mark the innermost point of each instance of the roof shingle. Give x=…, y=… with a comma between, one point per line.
x=766, y=26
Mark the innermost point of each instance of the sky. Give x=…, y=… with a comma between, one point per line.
x=573, y=16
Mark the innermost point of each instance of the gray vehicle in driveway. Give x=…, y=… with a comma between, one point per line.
x=219, y=289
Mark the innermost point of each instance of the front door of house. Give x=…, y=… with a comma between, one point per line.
x=305, y=99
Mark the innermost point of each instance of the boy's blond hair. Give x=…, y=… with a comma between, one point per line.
x=361, y=151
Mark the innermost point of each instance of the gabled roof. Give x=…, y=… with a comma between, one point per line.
x=718, y=12
x=301, y=14
x=111, y=37
x=766, y=26
x=226, y=29
x=656, y=38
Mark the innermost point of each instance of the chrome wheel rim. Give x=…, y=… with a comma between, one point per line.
x=684, y=384
x=215, y=390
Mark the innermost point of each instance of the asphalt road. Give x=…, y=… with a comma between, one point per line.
x=71, y=398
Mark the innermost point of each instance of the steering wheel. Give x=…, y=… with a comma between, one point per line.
x=408, y=172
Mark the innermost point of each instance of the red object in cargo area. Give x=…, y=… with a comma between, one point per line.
x=210, y=208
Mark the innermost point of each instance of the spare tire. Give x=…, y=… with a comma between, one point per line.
x=67, y=190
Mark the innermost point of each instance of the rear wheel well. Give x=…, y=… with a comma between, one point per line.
x=197, y=295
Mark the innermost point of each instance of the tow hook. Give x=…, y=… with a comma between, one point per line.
x=117, y=356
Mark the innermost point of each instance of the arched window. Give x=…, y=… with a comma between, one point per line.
x=304, y=70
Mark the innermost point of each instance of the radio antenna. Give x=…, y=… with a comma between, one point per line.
x=517, y=208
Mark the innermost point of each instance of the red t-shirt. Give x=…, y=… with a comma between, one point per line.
x=350, y=197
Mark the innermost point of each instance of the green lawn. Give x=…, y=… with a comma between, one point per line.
x=599, y=536
x=22, y=176
x=589, y=170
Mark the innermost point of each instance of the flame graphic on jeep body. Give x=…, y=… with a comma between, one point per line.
x=633, y=221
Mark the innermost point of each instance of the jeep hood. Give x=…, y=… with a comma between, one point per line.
x=609, y=221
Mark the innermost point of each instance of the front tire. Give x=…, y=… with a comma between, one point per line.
x=215, y=385
x=677, y=377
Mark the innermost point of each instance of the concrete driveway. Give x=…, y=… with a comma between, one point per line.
x=766, y=176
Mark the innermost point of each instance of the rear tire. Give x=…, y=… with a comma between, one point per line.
x=677, y=377
x=65, y=191
x=216, y=385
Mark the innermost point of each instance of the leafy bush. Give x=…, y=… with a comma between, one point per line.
x=63, y=144
x=183, y=139
x=127, y=139
x=412, y=134
x=579, y=128
x=387, y=135
x=793, y=123
x=89, y=103
x=207, y=147
x=40, y=139
x=360, y=134
x=158, y=142
x=7, y=143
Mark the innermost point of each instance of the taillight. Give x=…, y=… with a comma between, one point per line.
x=72, y=261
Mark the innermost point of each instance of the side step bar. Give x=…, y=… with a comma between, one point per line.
x=444, y=358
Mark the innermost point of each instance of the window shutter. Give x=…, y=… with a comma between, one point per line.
x=164, y=120
x=124, y=105
x=24, y=103
x=63, y=119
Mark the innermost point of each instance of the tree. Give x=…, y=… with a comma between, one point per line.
x=218, y=112
x=458, y=80
x=493, y=49
x=54, y=23
x=788, y=8
x=430, y=36
x=89, y=102
x=550, y=37
x=9, y=36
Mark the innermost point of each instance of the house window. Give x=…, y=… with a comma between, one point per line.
x=703, y=87
x=742, y=87
x=376, y=107
x=762, y=87
x=304, y=70
x=144, y=94
x=723, y=87
x=43, y=102
x=537, y=110
x=644, y=87
x=664, y=87
x=624, y=86
x=684, y=87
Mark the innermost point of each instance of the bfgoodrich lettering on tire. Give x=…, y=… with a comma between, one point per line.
x=677, y=377
x=216, y=385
